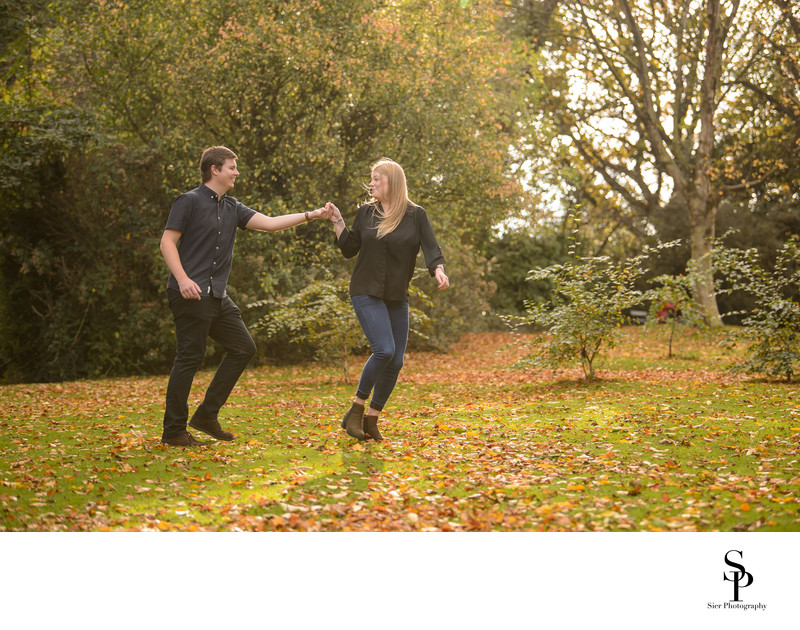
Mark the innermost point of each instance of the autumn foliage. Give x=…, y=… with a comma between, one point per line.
x=110, y=104
x=472, y=446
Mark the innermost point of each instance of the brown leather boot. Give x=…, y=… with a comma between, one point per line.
x=210, y=427
x=353, y=422
x=184, y=439
x=371, y=428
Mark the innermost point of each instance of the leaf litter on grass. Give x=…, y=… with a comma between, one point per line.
x=472, y=446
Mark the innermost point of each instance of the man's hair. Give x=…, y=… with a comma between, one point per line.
x=214, y=156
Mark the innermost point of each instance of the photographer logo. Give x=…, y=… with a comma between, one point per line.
x=739, y=578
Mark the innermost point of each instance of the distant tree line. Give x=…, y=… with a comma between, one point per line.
x=523, y=125
x=107, y=105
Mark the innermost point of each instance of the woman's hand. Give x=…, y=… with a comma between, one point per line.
x=442, y=279
x=334, y=215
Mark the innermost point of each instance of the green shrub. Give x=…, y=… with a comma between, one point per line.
x=772, y=329
x=322, y=316
x=511, y=257
x=455, y=311
x=79, y=262
x=674, y=293
x=590, y=302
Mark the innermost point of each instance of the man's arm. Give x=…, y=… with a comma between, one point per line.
x=190, y=290
x=275, y=224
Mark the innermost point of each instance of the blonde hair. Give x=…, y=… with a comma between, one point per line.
x=393, y=209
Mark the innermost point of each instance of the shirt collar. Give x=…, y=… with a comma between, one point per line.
x=207, y=191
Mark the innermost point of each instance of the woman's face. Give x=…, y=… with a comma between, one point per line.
x=379, y=186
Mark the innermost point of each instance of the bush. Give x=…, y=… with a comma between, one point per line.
x=772, y=329
x=673, y=294
x=591, y=298
x=322, y=316
x=458, y=310
x=80, y=265
x=511, y=257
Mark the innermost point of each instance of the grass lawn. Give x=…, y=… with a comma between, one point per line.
x=652, y=444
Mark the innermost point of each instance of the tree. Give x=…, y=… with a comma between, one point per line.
x=647, y=95
x=78, y=252
x=768, y=129
x=309, y=94
x=314, y=92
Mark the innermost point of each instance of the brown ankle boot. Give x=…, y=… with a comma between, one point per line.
x=371, y=428
x=184, y=439
x=211, y=427
x=353, y=422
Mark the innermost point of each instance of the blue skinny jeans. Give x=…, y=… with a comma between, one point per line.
x=385, y=324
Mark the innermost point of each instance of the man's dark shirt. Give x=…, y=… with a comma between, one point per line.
x=208, y=232
x=385, y=266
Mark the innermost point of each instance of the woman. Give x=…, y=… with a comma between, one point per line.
x=387, y=234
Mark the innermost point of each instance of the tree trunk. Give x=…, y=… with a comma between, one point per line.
x=703, y=201
x=701, y=240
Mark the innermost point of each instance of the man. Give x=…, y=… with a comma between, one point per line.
x=197, y=246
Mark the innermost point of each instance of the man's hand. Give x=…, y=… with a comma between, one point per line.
x=190, y=290
x=320, y=213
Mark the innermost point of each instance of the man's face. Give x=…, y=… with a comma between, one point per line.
x=226, y=176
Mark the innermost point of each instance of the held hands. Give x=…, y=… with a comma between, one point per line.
x=442, y=279
x=320, y=213
x=335, y=215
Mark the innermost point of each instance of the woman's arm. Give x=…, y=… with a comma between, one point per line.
x=434, y=259
x=336, y=219
x=348, y=240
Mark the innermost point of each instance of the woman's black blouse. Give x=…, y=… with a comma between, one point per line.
x=385, y=266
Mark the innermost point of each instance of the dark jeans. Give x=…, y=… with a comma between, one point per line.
x=195, y=321
x=385, y=324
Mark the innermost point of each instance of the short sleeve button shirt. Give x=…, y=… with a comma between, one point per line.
x=208, y=225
